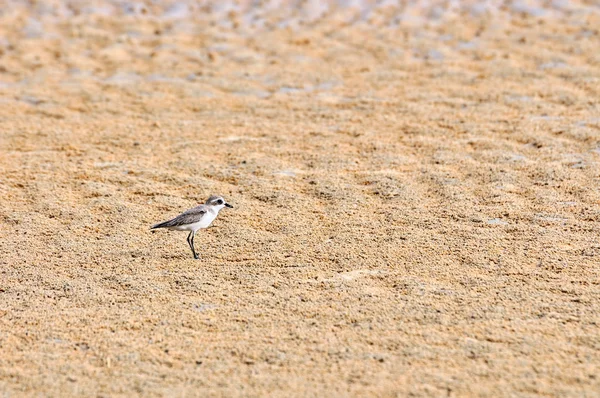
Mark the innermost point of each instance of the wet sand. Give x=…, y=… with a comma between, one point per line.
x=416, y=192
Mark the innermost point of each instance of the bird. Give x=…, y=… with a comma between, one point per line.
x=196, y=218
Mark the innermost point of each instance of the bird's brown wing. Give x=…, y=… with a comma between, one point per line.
x=190, y=216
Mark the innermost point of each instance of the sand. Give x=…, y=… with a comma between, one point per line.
x=416, y=192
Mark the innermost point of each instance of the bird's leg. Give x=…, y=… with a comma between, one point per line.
x=189, y=237
x=190, y=240
x=193, y=249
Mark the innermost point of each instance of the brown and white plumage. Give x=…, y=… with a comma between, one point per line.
x=195, y=218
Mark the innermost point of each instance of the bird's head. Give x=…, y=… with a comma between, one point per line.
x=217, y=202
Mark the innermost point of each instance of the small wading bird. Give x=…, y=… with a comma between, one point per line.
x=194, y=219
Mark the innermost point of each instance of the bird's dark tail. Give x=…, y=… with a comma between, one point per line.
x=159, y=225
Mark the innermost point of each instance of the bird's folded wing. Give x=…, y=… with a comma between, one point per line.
x=190, y=216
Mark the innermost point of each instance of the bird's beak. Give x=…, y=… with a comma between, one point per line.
x=228, y=205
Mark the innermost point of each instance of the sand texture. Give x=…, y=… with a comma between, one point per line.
x=416, y=192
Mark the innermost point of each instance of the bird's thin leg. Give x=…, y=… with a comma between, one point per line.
x=191, y=243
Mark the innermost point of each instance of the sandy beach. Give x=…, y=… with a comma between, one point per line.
x=416, y=192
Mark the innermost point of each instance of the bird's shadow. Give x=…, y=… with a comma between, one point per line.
x=178, y=256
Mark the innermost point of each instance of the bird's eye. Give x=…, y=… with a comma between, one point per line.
x=220, y=202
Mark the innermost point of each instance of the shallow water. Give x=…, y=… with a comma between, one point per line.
x=293, y=13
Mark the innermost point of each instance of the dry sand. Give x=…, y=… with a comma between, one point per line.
x=417, y=206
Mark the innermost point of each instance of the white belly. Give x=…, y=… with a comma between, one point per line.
x=204, y=222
